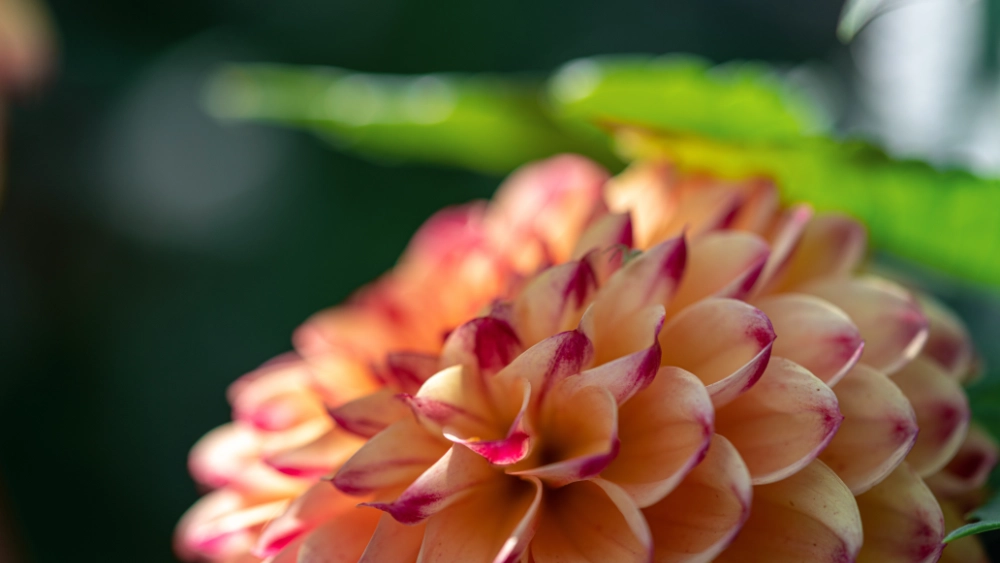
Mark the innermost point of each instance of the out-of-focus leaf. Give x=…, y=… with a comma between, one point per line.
x=682, y=94
x=480, y=122
x=859, y=13
x=987, y=518
x=947, y=220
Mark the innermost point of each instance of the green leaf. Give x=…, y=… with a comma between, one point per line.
x=481, y=122
x=987, y=518
x=738, y=101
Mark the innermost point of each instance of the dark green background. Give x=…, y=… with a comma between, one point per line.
x=131, y=293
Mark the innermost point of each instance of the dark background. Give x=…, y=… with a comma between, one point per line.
x=149, y=256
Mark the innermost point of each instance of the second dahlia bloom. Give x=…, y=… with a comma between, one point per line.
x=694, y=374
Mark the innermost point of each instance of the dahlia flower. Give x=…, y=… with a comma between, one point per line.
x=650, y=367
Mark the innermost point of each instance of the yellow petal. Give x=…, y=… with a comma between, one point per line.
x=878, y=431
x=704, y=513
x=590, y=521
x=664, y=431
x=902, y=521
x=814, y=334
x=942, y=413
x=495, y=524
x=888, y=317
x=782, y=423
x=810, y=516
x=396, y=456
x=726, y=343
x=721, y=264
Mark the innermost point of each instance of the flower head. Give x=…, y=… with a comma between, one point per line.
x=658, y=367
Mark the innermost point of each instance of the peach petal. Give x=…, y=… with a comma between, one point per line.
x=339, y=379
x=590, y=521
x=317, y=458
x=290, y=554
x=552, y=200
x=721, y=264
x=831, y=246
x=784, y=237
x=223, y=453
x=942, y=413
x=457, y=474
x=902, y=521
x=370, y=414
x=345, y=330
x=810, y=516
x=648, y=279
x=644, y=190
x=968, y=471
x=319, y=503
x=612, y=230
x=513, y=447
x=393, y=542
x=578, y=436
x=814, y=334
x=393, y=457
x=963, y=550
x=224, y=523
x=456, y=398
x=665, y=432
x=726, y=343
x=889, y=318
x=487, y=344
x=948, y=341
x=496, y=524
x=700, y=211
x=547, y=363
x=407, y=371
x=341, y=539
x=695, y=522
x=631, y=371
x=554, y=301
x=275, y=396
x=878, y=431
x=761, y=205
x=782, y=423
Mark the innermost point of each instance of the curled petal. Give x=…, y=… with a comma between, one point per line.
x=407, y=371
x=701, y=210
x=948, y=341
x=759, y=208
x=810, y=516
x=878, y=431
x=456, y=398
x=317, y=458
x=902, y=521
x=487, y=344
x=368, y=415
x=578, y=436
x=339, y=378
x=319, y=503
x=726, y=343
x=554, y=301
x=665, y=432
x=547, y=363
x=513, y=447
x=344, y=329
x=831, y=246
x=721, y=264
x=495, y=524
x=942, y=413
x=396, y=456
x=888, y=317
x=341, y=539
x=591, y=521
x=631, y=371
x=393, y=542
x=276, y=396
x=782, y=423
x=695, y=522
x=784, y=236
x=814, y=334
x=968, y=471
x=648, y=279
x=453, y=477
x=963, y=550
x=221, y=455
x=614, y=229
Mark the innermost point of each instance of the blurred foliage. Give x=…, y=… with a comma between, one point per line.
x=987, y=518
